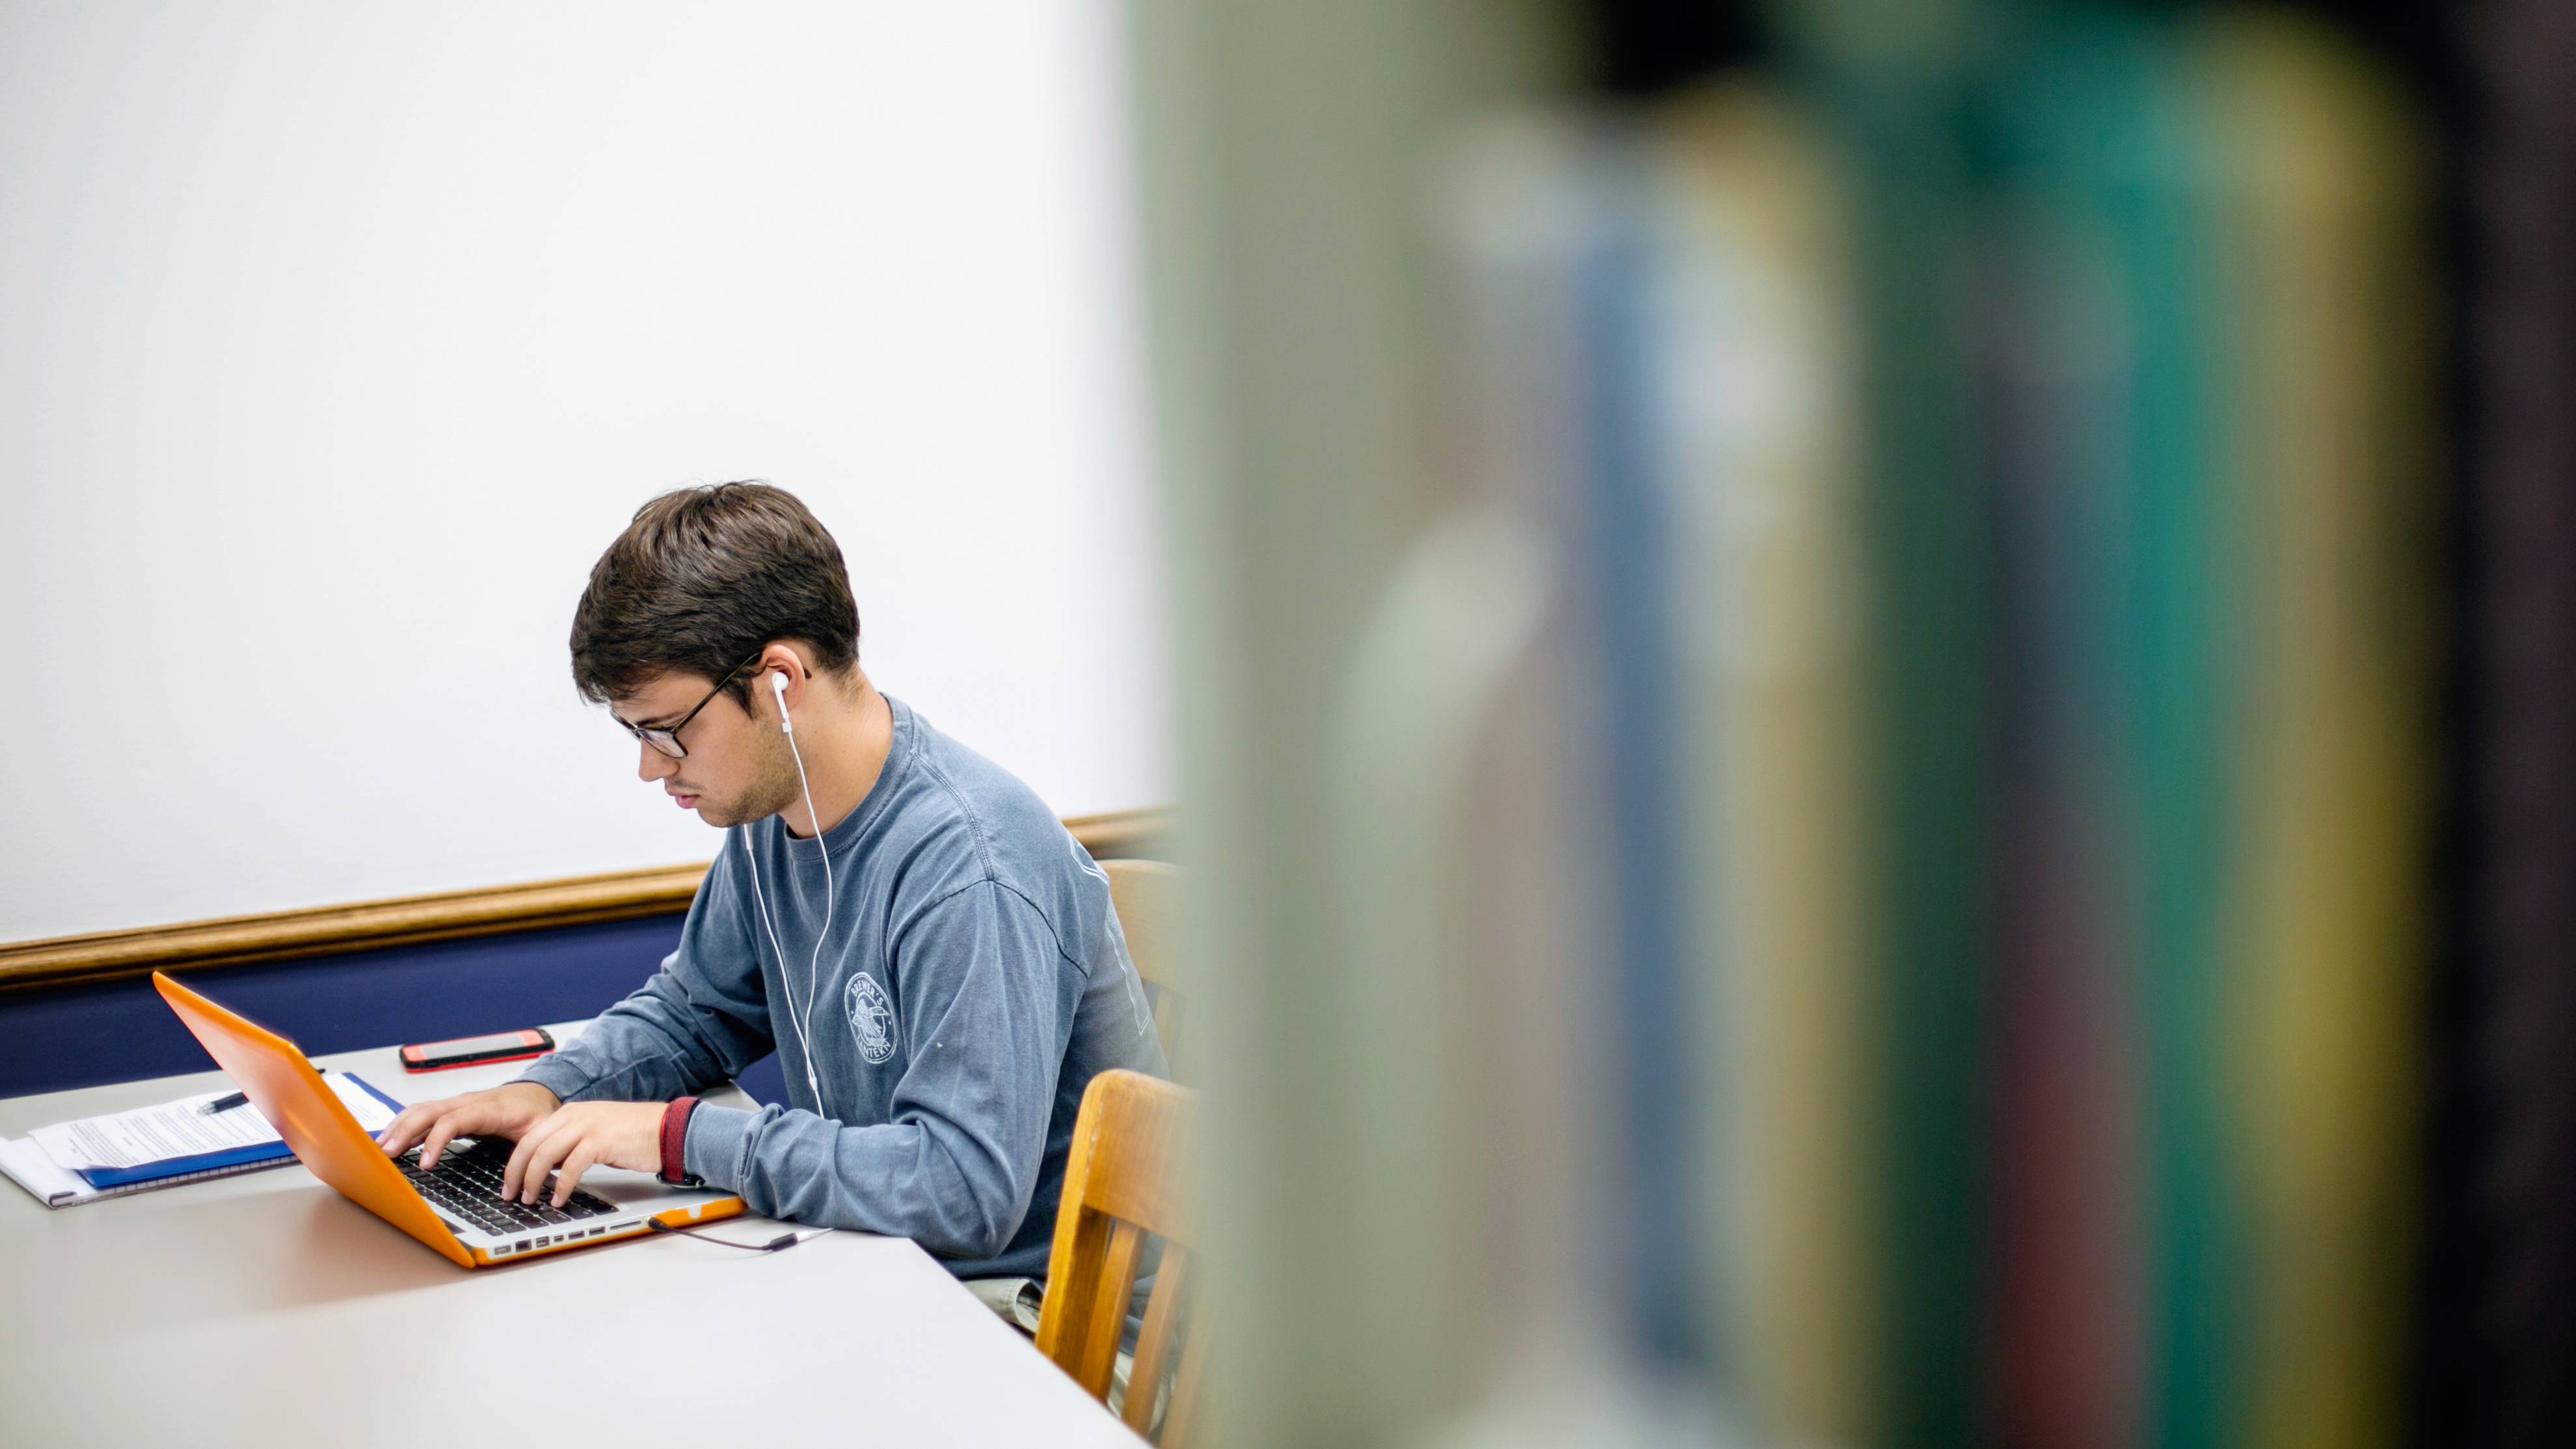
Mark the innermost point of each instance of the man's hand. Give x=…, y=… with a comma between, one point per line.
x=580, y=1137
x=504, y=1111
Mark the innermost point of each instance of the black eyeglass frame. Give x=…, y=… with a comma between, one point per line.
x=666, y=739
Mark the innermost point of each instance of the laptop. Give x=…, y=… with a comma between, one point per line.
x=455, y=1208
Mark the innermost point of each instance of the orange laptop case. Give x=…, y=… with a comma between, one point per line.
x=317, y=1126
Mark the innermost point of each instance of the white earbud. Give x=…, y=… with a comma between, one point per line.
x=778, y=686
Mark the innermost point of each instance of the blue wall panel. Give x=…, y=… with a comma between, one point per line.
x=80, y=1036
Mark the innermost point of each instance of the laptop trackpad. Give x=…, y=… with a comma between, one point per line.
x=638, y=1189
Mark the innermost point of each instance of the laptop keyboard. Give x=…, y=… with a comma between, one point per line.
x=467, y=1185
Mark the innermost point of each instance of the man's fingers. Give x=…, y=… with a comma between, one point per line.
x=402, y=1131
x=568, y=1176
x=557, y=1146
x=527, y=1143
x=414, y=1123
x=448, y=1127
x=467, y=1117
x=530, y=1159
x=432, y=1124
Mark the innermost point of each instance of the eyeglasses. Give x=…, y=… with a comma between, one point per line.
x=667, y=739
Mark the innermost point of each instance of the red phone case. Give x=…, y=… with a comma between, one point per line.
x=537, y=1044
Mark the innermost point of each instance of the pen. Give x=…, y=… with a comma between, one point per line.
x=223, y=1104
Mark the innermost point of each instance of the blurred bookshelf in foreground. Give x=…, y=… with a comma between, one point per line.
x=1825, y=718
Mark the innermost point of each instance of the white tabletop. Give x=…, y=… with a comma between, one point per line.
x=266, y=1309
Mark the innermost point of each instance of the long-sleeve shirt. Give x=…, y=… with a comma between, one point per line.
x=972, y=981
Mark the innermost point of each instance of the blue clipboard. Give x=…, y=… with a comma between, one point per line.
x=105, y=1177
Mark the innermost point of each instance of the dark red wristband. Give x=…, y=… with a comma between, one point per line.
x=675, y=1140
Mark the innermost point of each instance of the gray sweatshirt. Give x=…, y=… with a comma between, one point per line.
x=973, y=981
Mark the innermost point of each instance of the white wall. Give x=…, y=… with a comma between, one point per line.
x=336, y=341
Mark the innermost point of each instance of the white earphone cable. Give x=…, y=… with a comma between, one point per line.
x=784, y=979
x=814, y=967
x=803, y=1022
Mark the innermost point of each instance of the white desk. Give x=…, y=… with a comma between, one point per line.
x=266, y=1309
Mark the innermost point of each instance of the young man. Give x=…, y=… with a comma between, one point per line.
x=926, y=947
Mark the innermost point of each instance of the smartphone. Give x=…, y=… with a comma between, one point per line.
x=469, y=1051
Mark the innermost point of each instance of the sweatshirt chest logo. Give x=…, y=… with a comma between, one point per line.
x=871, y=1018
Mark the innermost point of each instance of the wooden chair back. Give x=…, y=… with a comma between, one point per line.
x=1146, y=895
x=1123, y=1184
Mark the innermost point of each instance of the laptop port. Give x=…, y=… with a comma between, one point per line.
x=521, y=1245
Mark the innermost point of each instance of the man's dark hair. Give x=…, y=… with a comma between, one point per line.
x=701, y=580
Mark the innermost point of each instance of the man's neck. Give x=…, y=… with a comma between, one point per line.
x=844, y=750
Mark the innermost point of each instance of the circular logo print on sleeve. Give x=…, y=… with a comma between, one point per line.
x=871, y=1017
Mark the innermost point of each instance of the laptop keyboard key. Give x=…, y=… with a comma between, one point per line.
x=467, y=1184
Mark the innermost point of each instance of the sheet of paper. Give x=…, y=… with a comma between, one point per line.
x=178, y=1129
x=28, y=1166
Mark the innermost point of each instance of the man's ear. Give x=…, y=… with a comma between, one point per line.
x=781, y=660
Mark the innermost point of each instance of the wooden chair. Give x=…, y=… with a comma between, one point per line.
x=1121, y=1185
x=1146, y=895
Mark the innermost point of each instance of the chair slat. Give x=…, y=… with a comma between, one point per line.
x=1073, y=1279
x=1181, y=1416
x=1113, y=1287
x=1154, y=1341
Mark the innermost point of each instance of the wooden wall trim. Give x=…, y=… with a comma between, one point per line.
x=1124, y=834
x=445, y=916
